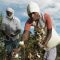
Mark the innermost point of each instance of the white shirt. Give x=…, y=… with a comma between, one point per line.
x=11, y=25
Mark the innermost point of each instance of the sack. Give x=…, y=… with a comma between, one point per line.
x=54, y=41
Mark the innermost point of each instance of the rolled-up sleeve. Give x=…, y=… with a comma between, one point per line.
x=27, y=25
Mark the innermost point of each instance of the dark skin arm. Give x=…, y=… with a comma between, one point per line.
x=26, y=32
x=49, y=28
x=48, y=36
x=25, y=36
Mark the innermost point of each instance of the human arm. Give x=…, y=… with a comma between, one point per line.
x=26, y=32
x=49, y=28
x=18, y=28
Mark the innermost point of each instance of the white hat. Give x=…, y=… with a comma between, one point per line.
x=33, y=7
x=10, y=9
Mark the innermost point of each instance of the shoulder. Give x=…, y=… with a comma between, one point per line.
x=17, y=20
x=46, y=15
x=4, y=17
x=4, y=20
x=29, y=21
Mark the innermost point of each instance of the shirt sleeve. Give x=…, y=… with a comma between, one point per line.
x=27, y=25
x=3, y=25
x=18, y=24
x=48, y=21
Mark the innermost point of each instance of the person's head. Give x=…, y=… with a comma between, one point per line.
x=10, y=13
x=33, y=11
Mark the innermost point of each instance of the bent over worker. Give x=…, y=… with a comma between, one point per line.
x=34, y=19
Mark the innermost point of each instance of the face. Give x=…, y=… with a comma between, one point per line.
x=35, y=16
x=8, y=13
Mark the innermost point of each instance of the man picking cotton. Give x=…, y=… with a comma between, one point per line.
x=39, y=21
x=11, y=29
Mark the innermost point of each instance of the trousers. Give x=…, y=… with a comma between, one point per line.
x=51, y=54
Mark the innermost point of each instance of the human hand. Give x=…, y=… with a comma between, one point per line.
x=44, y=44
x=12, y=35
x=15, y=52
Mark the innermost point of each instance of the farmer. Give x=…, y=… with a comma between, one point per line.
x=35, y=19
x=11, y=29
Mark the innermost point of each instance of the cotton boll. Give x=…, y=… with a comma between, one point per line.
x=34, y=23
x=21, y=42
x=16, y=56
